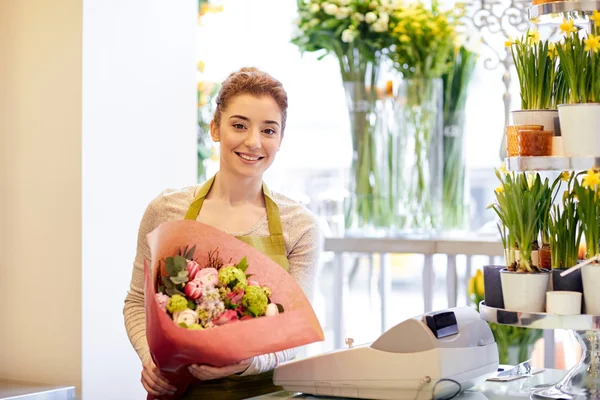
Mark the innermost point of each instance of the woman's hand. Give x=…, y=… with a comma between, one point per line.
x=154, y=383
x=207, y=373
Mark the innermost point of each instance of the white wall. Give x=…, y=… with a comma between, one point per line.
x=139, y=137
x=40, y=191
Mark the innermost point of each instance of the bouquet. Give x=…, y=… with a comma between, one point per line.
x=217, y=293
x=201, y=309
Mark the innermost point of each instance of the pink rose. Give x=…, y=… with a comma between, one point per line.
x=226, y=318
x=208, y=277
x=163, y=300
x=252, y=283
x=194, y=289
x=192, y=269
x=235, y=297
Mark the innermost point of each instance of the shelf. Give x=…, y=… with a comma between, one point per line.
x=551, y=163
x=581, y=322
x=554, y=12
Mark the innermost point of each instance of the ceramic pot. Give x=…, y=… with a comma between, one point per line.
x=579, y=125
x=524, y=292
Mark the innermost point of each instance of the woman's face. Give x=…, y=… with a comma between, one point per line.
x=249, y=134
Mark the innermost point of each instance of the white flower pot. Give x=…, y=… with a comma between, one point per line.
x=590, y=275
x=563, y=303
x=547, y=118
x=524, y=291
x=580, y=129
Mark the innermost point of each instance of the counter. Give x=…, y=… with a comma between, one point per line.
x=30, y=391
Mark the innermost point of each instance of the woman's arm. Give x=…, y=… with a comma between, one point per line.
x=304, y=262
x=134, y=311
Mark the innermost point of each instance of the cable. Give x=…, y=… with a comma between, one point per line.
x=447, y=380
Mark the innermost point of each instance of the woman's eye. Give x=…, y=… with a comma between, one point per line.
x=238, y=126
x=270, y=131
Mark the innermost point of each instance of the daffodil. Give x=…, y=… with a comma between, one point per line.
x=568, y=27
x=502, y=168
x=509, y=42
x=592, y=178
x=534, y=36
x=595, y=17
x=565, y=176
x=201, y=66
x=500, y=189
x=592, y=43
x=479, y=284
x=552, y=52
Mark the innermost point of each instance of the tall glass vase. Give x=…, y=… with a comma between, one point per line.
x=455, y=184
x=418, y=205
x=368, y=210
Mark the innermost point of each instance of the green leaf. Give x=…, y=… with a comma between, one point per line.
x=161, y=289
x=190, y=253
x=243, y=264
x=182, y=277
x=183, y=325
x=172, y=291
x=279, y=307
x=191, y=304
x=249, y=275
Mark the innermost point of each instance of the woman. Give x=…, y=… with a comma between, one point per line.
x=249, y=123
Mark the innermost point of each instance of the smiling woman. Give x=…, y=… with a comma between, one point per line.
x=249, y=123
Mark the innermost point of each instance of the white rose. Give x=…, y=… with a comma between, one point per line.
x=347, y=36
x=359, y=17
x=370, y=17
x=272, y=310
x=187, y=316
x=314, y=8
x=330, y=9
x=385, y=17
x=343, y=12
x=380, y=26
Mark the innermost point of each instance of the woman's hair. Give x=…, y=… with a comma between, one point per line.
x=254, y=82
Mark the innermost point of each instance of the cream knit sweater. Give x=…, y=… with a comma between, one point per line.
x=302, y=242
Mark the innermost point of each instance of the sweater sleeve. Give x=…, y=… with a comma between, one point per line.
x=303, y=259
x=134, y=311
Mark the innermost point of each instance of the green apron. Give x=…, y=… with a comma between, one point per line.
x=237, y=387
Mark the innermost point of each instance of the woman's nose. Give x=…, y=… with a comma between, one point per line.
x=253, y=138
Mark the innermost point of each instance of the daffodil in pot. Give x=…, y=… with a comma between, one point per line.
x=423, y=42
x=357, y=33
x=588, y=197
x=517, y=205
x=565, y=236
x=580, y=114
x=541, y=83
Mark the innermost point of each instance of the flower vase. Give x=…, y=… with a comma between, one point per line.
x=418, y=106
x=367, y=207
x=455, y=197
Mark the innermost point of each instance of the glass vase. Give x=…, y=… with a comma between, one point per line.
x=367, y=209
x=419, y=148
x=455, y=187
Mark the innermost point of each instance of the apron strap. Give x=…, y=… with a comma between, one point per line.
x=273, y=217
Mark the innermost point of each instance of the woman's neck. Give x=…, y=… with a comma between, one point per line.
x=234, y=190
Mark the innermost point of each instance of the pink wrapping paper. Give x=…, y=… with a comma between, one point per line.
x=174, y=348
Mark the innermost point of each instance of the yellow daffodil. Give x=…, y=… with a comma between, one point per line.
x=552, y=52
x=595, y=17
x=568, y=27
x=565, y=176
x=471, y=287
x=200, y=86
x=500, y=189
x=502, y=168
x=201, y=66
x=509, y=42
x=479, y=284
x=592, y=43
x=534, y=36
x=592, y=178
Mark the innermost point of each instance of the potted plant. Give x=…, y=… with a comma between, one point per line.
x=517, y=206
x=541, y=82
x=580, y=114
x=588, y=193
x=565, y=235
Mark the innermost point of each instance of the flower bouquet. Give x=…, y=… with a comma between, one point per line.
x=202, y=308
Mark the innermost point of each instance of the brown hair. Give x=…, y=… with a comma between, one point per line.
x=254, y=82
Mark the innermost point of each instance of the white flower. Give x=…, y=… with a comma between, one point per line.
x=314, y=8
x=330, y=9
x=187, y=316
x=373, y=4
x=313, y=22
x=385, y=17
x=348, y=36
x=380, y=26
x=370, y=17
x=359, y=17
x=345, y=2
x=272, y=310
x=343, y=12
